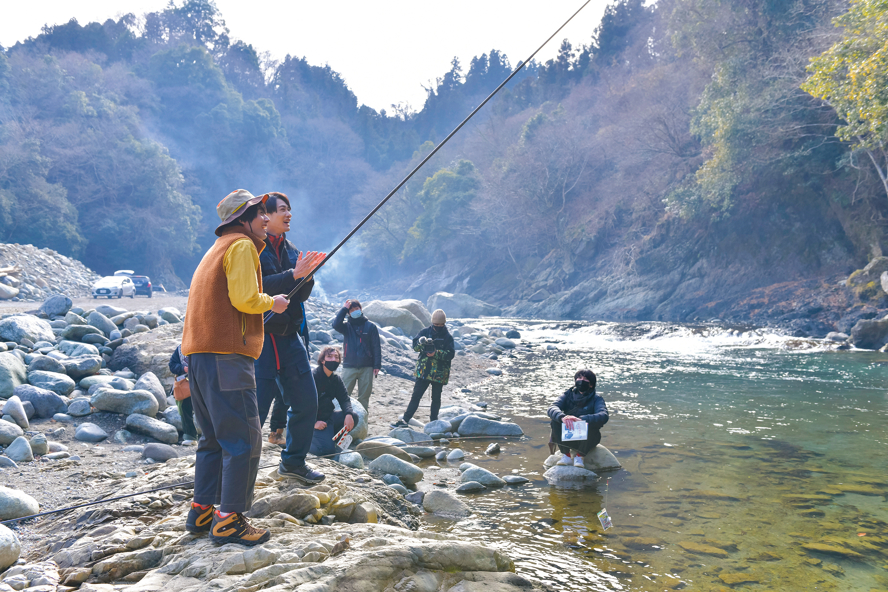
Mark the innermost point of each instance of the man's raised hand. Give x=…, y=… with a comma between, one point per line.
x=306, y=263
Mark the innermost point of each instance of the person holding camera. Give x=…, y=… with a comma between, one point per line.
x=436, y=350
x=363, y=353
x=580, y=403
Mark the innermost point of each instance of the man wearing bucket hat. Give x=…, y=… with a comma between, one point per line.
x=222, y=337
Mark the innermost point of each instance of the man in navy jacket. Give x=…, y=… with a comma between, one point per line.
x=363, y=353
x=578, y=403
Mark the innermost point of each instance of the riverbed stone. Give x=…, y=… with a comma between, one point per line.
x=14, y=408
x=515, y=479
x=61, y=384
x=46, y=403
x=148, y=426
x=388, y=464
x=75, y=349
x=78, y=332
x=172, y=416
x=149, y=382
x=39, y=444
x=15, y=504
x=371, y=449
x=409, y=436
x=482, y=476
x=470, y=487
x=478, y=426
x=46, y=364
x=101, y=322
x=443, y=503
x=420, y=451
x=351, y=459
x=25, y=326
x=125, y=402
x=20, y=450
x=159, y=452
x=456, y=455
x=90, y=381
x=569, y=475
x=13, y=373
x=10, y=547
x=57, y=305
x=82, y=366
x=79, y=407
x=702, y=549
x=437, y=426
x=90, y=432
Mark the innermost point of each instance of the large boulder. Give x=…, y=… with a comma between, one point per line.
x=386, y=313
x=78, y=332
x=149, y=382
x=442, y=503
x=482, y=476
x=101, y=322
x=75, y=350
x=12, y=374
x=18, y=327
x=478, y=426
x=47, y=364
x=871, y=273
x=570, y=476
x=15, y=504
x=7, y=292
x=153, y=428
x=10, y=548
x=149, y=352
x=417, y=308
x=56, y=306
x=46, y=403
x=870, y=333
x=9, y=432
x=81, y=366
x=125, y=402
x=362, y=428
x=462, y=306
x=388, y=464
x=110, y=311
x=61, y=384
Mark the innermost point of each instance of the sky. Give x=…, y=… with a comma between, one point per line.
x=386, y=51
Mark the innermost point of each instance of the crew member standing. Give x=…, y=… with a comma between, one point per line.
x=363, y=353
x=222, y=338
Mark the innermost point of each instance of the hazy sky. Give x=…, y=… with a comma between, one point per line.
x=385, y=50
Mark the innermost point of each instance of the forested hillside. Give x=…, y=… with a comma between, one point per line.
x=668, y=168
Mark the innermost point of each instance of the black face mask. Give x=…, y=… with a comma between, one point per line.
x=583, y=386
x=331, y=365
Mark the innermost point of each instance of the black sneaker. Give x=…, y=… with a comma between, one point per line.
x=234, y=528
x=400, y=424
x=305, y=474
x=198, y=519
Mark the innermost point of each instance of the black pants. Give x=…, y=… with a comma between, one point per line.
x=269, y=399
x=223, y=392
x=186, y=412
x=322, y=443
x=581, y=447
x=419, y=390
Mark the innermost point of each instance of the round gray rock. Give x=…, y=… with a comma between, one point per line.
x=46, y=403
x=9, y=432
x=470, y=487
x=15, y=504
x=60, y=384
x=12, y=374
x=82, y=366
x=151, y=383
x=18, y=327
x=46, y=364
x=125, y=402
x=90, y=432
x=153, y=428
x=515, y=479
x=409, y=436
x=159, y=452
x=482, y=476
x=56, y=306
x=78, y=332
x=478, y=426
x=567, y=475
x=79, y=407
x=351, y=459
x=91, y=381
x=392, y=465
x=14, y=408
x=420, y=451
x=442, y=503
x=437, y=426
x=101, y=322
x=456, y=455
x=171, y=416
x=20, y=450
x=10, y=548
x=39, y=445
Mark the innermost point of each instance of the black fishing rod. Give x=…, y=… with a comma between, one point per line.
x=427, y=158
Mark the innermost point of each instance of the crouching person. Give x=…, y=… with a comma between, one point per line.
x=578, y=403
x=222, y=338
x=330, y=387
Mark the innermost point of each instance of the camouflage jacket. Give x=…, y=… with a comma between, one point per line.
x=434, y=367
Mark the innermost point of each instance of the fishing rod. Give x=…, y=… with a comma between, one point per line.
x=426, y=159
x=191, y=483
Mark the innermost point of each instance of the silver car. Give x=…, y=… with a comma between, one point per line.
x=114, y=286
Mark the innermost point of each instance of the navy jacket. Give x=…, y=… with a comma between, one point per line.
x=177, y=362
x=277, y=264
x=589, y=407
x=360, y=345
x=329, y=388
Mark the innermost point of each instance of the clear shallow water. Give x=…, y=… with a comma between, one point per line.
x=738, y=450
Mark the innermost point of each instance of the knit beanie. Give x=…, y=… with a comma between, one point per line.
x=438, y=317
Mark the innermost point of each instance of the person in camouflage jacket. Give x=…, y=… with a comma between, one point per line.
x=436, y=350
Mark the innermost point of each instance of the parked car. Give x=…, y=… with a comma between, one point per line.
x=143, y=285
x=114, y=286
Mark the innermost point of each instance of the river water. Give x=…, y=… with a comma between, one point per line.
x=749, y=460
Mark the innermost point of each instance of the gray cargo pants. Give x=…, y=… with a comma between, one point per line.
x=223, y=391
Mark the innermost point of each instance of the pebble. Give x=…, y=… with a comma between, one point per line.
x=159, y=452
x=494, y=371
x=493, y=449
x=470, y=487
x=456, y=455
x=515, y=479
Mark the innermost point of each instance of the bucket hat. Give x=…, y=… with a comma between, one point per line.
x=234, y=205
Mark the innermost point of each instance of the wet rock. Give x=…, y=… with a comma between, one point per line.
x=561, y=475
x=456, y=455
x=9, y=432
x=12, y=374
x=90, y=432
x=441, y=456
x=149, y=382
x=159, y=452
x=836, y=336
x=371, y=449
x=478, y=426
x=15, y=504
x=416, y=497
x=482, y=476
x=420, y=451
x=14, y=408
x=515, y=479
x=599, y=459
x=10, y=548
x=18, y=327
x=60, y=384
x=832, y=550
x=870, y=334
x=437, y=426
x=125, y=402
x=46, y=403
x=470, y=487
x=737, y=578
x=442, y=503
x=388, y=464
x=493, y=449
x=153, y=428
x=642, y=543
x=20, y=450
x=701, y=549
x=409, y=436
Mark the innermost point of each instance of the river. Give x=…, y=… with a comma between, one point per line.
x=749, y=459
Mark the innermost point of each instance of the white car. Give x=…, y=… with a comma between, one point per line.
x=114, y=286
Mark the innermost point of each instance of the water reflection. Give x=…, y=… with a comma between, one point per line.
x=750, y=459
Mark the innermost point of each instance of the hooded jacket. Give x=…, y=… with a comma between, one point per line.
x=277, y=261
x=435, y=367
x=360, y=345
x=589, y=407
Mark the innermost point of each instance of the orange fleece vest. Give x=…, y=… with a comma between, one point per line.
x=212, y=324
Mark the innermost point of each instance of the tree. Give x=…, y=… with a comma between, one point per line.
x=852, y=77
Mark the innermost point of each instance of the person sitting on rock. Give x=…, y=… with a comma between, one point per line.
x=436, y=350
x=179, y=367
x=578, y=403
x=330, y=388
x=363, y=353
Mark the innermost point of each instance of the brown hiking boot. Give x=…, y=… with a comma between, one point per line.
x=278, y=438
x=234, y=528
x=199, y=518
